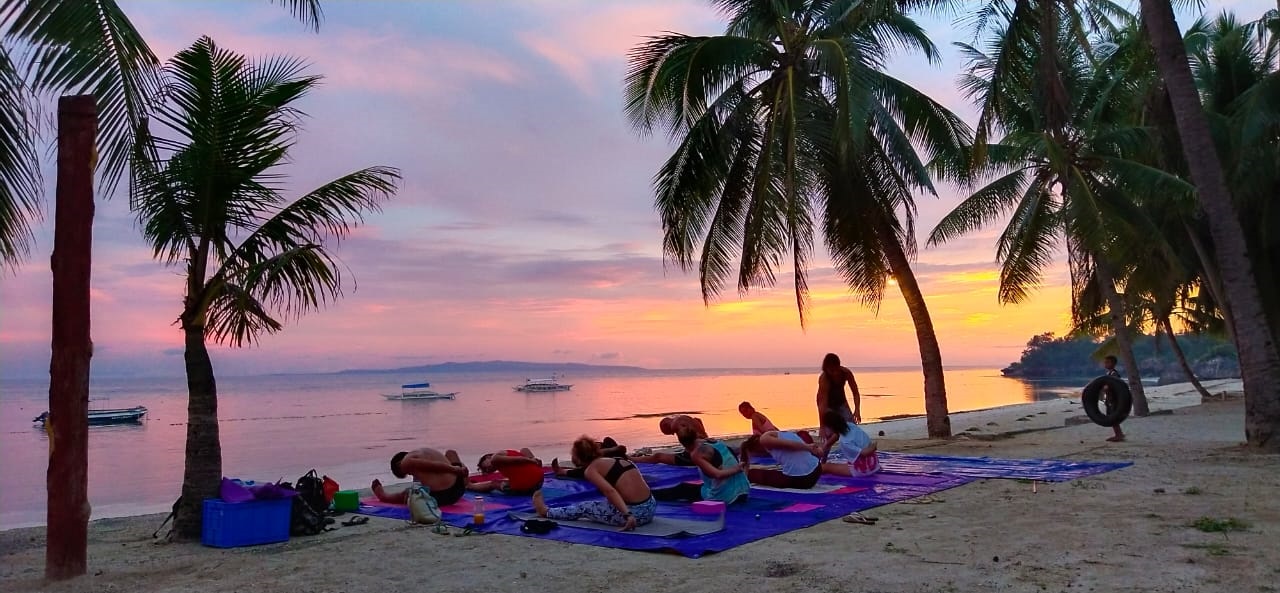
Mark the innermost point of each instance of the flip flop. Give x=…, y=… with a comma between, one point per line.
x=356, y=520
x=859, y=519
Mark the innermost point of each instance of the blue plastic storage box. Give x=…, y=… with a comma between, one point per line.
x=231, y=525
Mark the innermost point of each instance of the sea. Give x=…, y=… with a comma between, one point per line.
x=280, y=426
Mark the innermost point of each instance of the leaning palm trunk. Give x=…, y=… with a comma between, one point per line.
x=1259, y=357
x=1116, y=312
x=1213, y=280
x=204, y=449
x=1182, y=357
x=935, y=389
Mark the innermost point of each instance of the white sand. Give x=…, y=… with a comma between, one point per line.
x=1112, y=532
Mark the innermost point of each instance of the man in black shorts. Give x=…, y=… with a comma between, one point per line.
x=443, y=474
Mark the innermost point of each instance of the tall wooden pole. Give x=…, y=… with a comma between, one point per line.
x=68, y=423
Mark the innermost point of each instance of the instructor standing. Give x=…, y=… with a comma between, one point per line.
x=831, y=394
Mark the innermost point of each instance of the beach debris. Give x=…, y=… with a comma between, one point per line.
x=993, y=424
x=882, y=433
x=995, y=558
x=1158, y=491
x=780, y=568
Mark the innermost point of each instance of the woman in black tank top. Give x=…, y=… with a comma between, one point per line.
x=627, y=503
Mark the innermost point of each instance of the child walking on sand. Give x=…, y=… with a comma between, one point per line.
x=1109, y=366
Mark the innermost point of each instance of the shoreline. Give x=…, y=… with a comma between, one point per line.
x=897, y=434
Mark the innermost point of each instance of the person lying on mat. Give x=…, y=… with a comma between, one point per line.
x=617, y=479
x=521, y=472
x=857, y=450
x=800, y=466
x=724, y=478
x=608, y=448
x=672, y=425
x=442, y=473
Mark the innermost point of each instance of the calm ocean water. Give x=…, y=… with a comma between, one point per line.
x=281, y=426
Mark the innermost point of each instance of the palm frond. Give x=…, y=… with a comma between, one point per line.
x=307, y=11
x=19, y=171
x=89, y=47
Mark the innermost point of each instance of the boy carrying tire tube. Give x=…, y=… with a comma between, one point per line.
x=1109, y=365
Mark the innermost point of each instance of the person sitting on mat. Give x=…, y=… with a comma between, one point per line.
x=760, y=423
x=521, y=472
x=443, y=474
x=724, y=478
x=1109, y=368
x=672, y=425
x=800, y=469
x=857, y=450
x=608, y=448
x=617, y=479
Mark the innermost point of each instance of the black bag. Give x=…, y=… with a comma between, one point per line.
x=306, y=520
x=311, y=489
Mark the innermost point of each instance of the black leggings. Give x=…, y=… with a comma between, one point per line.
x=774, y=478
x=686, y=491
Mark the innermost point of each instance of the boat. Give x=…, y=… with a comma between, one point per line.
x=418, y=391
x=107, y=416
x=542, y=385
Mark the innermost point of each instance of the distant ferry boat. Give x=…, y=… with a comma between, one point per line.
x=418, y=391
x=113, y=416
x=542, y=385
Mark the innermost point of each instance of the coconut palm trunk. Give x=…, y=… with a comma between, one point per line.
x=1119, y=325
x=935, y=389
x=1259, y=357
x=1213, y=280
x=1167, y=326
x=204, y=449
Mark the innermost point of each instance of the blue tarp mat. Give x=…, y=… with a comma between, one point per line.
x=1047, y=470
x=768, y=512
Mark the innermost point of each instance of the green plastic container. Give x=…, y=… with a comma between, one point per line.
x=346, y=500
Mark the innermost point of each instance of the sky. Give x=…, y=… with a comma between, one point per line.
x=524, y=228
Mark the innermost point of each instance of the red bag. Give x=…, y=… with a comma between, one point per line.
x=330, y=488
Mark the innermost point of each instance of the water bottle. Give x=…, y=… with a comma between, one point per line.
x=477, y=514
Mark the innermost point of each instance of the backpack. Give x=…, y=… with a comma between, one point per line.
x=306, y=520
x=423, y=509
x=311, y=489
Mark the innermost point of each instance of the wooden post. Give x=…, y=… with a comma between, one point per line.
x=68, y=423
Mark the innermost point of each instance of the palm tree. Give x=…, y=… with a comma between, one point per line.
x=1255, y=342
x=209, y=199
x=1063, y=168
x=785, y=122
x=54, y=47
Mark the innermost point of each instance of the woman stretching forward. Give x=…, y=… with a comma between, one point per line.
x=617, y=479
x=857, y=450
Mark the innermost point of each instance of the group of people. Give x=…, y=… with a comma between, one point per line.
x=628, y=501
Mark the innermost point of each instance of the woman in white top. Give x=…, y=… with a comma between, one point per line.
x=800, y=466
x=857, y=450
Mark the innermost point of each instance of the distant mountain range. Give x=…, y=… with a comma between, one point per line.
x=494, y=366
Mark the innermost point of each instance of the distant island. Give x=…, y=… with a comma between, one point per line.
x=494, y=366
x=1047, y=356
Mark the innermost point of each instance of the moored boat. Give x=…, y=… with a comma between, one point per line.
x=542, y=385
x=108, y=416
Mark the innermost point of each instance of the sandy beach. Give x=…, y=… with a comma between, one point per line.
x=1128, y=530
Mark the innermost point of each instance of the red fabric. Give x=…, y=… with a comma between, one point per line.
x=524, y=476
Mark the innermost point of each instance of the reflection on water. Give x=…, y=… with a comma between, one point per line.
x=281, y=426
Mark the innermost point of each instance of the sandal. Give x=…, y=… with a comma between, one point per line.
x=356, y=520
x=859, y=519
x=926, y=499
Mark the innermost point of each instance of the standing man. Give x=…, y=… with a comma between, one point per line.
x=831, y=394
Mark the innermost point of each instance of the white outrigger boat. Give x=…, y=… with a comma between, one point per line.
x=418, y=391
x=112, y=416
x=542, y=385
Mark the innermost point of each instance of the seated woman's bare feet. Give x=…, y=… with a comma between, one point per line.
x=539, y=505
x=1116, y=439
